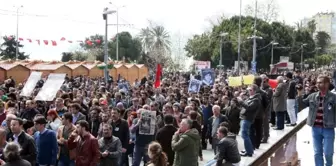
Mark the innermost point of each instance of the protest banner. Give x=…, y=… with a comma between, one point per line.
x=148, y=121
x=31, y=83
x=235, y=81
x=248, y=79
x=51, y=86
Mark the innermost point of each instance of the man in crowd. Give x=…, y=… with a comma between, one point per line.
x=185, y=144
x=66, y=157
x=110, y=147
x=121, y=131
x=46, y=143
x=26, y=142
x=269, y=93
x=291, y=96
x=86, y=145
x=207, y=114
x=213, y=125
x=76, y=114
x=228, y=151
x=321, y=117
x=279, y=103
x=247, y=115
x=164, y=137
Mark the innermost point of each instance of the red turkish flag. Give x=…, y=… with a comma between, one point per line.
x=45, y=42
x=98, y=41
x=273, y=83
x=70, y=41
x=158, y=76
x=30, y=40
x=63, y=39
x=88, y=42
x=21, y=39
x=53, y=43
x=38, y=42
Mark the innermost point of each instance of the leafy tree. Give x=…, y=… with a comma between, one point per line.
x=67, y=56
x=311, y=27
x=129, y=47
x=267, y=11
x=323, y=59
x=323, y=40
x=94, y=41
x=8, y=49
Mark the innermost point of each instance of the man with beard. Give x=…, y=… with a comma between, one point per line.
x=121, y=131
x=30, y=111
x=110, y=147
x=104, y=120
x=86, y=145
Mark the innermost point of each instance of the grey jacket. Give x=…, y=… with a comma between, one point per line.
x=279, y=98
x=113, y=146
x=251, y=106
x=228, y=151
x=329, y=109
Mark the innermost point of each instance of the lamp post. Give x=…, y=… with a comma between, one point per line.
x=17, y=32
x=302, y=45
x=239, y=36
x=222, y=35
x=117, y=40
x=254, y=63
x=273, y=44
x=105, y=13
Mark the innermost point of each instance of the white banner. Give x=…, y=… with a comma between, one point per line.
x=51, y=86
x=31, y=83
x=148, y=121
x=199, y=65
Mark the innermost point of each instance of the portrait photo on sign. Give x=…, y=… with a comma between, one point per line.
x=208, y=76
x=148, y=121
x=194, y=86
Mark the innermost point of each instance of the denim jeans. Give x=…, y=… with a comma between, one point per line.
x=280, y=120
x=291, y=110
x=245, y=133
x=323, y=142
x=139, y=153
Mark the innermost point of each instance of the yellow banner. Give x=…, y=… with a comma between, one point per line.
x=235, y=81
x=248, y=79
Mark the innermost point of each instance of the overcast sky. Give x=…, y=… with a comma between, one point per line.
x=77, y=19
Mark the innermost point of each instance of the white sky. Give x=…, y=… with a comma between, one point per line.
x=77, y=19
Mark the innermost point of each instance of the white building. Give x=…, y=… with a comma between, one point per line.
x=324, y=22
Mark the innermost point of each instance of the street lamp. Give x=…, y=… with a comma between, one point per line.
x=117, y=45
x=254, y=63
x=302, y=45
x=105, y=13
x=273, y=44
x=222, y=35
x=17, y=32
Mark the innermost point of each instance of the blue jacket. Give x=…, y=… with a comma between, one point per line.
x=47, y=147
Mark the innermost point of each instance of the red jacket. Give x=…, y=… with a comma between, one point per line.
x=87, y=149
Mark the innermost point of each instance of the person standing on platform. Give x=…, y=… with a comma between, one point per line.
x=321, y=117
x=291, y=95
x=279, y=103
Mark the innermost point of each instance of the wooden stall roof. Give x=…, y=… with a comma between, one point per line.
x=118, y=65
x=129, y=65
x=139, y=65
x=89, y=65
x=46, y=66
x=8, y=66
x=73, y=66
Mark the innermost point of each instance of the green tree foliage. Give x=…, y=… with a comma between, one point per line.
x=323, y=41
x=311, y=27
x=8, y=49
x=323, y=59
x=129, y=47
x=206, y=45
x=67, y=56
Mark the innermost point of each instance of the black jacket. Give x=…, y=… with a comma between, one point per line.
x=228, y=150
x=250, y=108
x=27, y=144
x=264, y=104
x=233, y=113
x=291, y=92
x=121, y=130
x=164, y=137
x=222, y=118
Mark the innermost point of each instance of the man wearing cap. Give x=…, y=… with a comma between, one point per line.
x=46, y=141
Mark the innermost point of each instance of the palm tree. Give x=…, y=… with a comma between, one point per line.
x=146, y=39
x=311, y=27
x=160, y=39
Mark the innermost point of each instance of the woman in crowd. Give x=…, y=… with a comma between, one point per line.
x=54, y=120
x=12, y=156
x=156, y=155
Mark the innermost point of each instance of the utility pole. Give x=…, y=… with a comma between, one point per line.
x=254, y=63
x=222, y=36
x=17, y=33
x=302, y=45
x=273, y=44
x=239, y=35
x=105, y=16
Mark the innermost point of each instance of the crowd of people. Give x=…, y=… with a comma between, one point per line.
x=91, y=122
